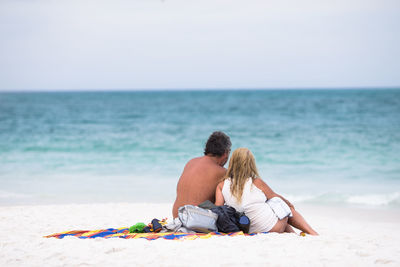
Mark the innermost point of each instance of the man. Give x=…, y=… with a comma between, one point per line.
x=201, y=175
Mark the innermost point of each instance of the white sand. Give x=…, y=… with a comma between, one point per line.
x=349, y=237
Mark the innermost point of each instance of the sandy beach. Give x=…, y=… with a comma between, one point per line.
x=348, y=237
x=108, y=111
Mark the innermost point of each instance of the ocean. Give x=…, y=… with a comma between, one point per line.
x=326, y=147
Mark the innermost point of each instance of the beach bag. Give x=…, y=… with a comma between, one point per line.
x=229, y=220
x=198, y=219
x=280, y=208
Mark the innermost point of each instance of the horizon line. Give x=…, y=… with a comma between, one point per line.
x=93, y=90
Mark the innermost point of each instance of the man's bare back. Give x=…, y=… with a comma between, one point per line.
x=199, y=180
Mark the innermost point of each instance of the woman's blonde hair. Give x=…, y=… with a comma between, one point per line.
x=242, y=166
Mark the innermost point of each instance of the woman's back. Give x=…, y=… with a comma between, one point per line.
x=261, y=216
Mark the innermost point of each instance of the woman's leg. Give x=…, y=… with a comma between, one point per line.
x=289, y=229
x=280, y=226
x=298, y=221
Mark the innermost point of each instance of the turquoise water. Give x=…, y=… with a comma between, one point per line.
x=319, y=146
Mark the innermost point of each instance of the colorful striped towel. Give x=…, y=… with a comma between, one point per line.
x=124, y=233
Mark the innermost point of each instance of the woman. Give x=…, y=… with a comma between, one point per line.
x=246, y=192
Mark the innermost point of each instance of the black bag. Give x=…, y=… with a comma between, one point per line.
x=229, y=220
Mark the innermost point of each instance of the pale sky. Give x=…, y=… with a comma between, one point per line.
x=186, y=44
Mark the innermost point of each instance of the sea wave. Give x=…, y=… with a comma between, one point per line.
x=12, y=195
x=376, y=200
x=373, y=200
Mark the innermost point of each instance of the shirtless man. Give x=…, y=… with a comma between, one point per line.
x=201, y=175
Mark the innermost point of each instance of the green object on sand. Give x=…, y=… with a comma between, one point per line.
x=137, y=228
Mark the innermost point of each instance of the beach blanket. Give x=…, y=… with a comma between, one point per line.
x=124, y=233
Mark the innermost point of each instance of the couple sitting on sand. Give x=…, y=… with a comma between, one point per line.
x=240, y=186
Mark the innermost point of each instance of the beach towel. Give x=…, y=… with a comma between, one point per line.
x=124, y=233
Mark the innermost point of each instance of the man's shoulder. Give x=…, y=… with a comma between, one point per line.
x=194, y=161
x=221, y=170
x=204, y=162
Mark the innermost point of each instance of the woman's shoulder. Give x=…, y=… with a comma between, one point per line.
x=225, y=183
x=259, y=183
x=221, y=184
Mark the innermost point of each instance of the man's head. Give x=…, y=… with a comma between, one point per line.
x=218, y=145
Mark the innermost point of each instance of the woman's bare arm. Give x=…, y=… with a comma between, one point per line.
x=269, y=193
x=219, y=198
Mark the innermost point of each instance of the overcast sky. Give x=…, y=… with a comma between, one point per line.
x=183, y=44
